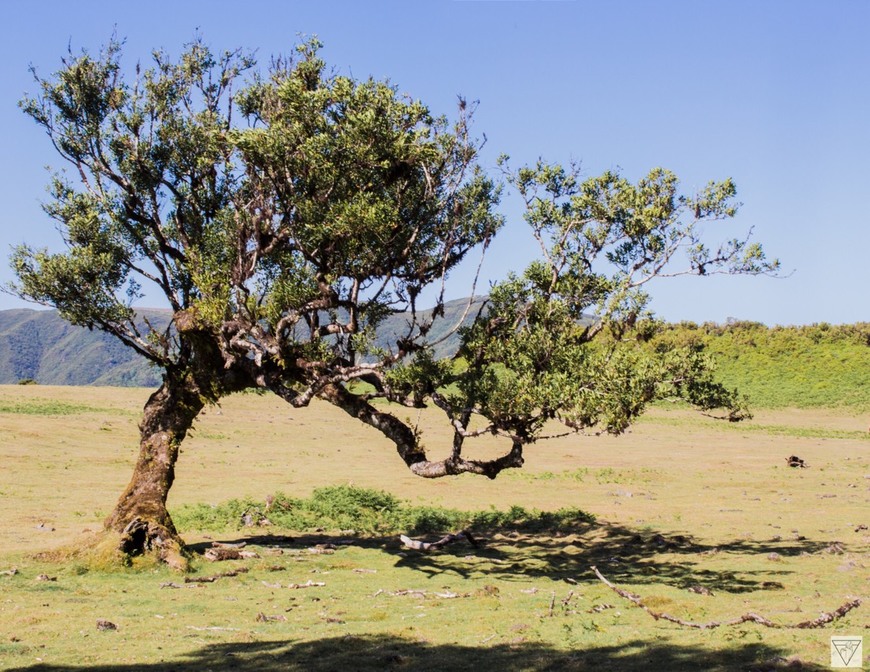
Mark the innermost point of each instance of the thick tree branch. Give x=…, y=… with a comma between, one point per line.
x=407, y=443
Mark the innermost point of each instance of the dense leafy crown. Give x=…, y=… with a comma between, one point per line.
x=283, y=216
x=331, y=194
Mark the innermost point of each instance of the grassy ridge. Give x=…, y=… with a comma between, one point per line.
x=42, y=346
x=813, y=366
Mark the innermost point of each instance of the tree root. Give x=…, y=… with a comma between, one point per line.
x=821, y=621
x=141, y=537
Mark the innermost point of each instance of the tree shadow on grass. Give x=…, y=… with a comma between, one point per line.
x=561, y=550
x=293, y=541
x=622, y=553
x=385, y=652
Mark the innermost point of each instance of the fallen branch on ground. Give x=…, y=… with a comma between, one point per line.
x=215, y=577
x=434, y=545
x=829, y=617
x=445, y=595
x=219, y=554
x=307, y=584
x=822, y=620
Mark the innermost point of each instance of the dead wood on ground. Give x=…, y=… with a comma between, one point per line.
x=435, y=545
x=821, y=621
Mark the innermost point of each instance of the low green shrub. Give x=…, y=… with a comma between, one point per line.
x=368, y=512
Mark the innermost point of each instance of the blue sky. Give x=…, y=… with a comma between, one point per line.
x=774, y=94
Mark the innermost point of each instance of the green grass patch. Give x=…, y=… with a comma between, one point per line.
x=42, y=407
x=366, y=511
x=816, y=366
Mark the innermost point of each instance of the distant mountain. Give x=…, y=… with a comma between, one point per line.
x=443, y=335
x=40, y=345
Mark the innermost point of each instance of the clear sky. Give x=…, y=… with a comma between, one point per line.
x=775, y=94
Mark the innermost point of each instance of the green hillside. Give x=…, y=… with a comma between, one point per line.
x=820, y=365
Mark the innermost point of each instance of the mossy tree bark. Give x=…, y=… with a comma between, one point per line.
x=140, y=516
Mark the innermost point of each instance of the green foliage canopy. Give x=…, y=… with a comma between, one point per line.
x=536, y=355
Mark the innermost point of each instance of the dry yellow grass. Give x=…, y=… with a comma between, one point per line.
x=66, y=454
x=673, y=467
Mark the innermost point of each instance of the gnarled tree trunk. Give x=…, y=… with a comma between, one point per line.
x=140, y=516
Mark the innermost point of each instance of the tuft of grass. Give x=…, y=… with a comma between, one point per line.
x=366, y=511
x=96, y=552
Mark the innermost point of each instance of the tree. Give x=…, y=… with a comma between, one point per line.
x=283, y=216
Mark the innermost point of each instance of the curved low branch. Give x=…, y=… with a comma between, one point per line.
x=407, y=443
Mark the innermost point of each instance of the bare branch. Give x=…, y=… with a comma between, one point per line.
x=819, y=622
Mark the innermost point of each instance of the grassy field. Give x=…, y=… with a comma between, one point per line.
x=703, y=519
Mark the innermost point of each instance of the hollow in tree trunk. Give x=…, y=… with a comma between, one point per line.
x=140, y=516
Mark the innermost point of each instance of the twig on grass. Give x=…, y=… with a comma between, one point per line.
x=821, y=621
x=408, y=591
x=307, y=584
x=215, y=577
x=212, y=629
x=263, y=618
